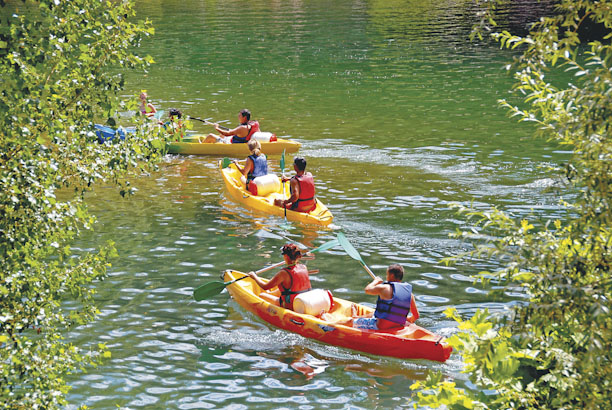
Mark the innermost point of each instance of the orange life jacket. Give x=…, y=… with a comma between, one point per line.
x=254, y=127
x=300, y=283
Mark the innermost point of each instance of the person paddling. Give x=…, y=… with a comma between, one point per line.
x=395, y=306
x=241, y=134
x=256, y=164
x=302, y=189
x=289, y=281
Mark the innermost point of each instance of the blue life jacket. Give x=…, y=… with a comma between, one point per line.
x=260, y=166
x=397, y=308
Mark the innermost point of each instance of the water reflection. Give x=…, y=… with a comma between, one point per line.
x=398, y=120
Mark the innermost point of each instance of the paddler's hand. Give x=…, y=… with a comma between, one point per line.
x=252, y=275
x=377, y=281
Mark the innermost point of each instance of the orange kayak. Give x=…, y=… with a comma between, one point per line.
x=410, y=342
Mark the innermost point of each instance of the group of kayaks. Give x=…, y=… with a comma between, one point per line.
x=409, y=342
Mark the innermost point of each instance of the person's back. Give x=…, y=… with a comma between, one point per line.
x=393, y=312
x=306, y=201
x=395, y=302
x=290, y=281
x=260, y=165
x=299, y=283
x=302, y=189
x=256, y=164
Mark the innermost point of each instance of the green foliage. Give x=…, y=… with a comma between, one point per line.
x=58, y=73
x=555, y=350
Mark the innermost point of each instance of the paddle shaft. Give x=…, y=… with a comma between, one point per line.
x=209, y=123
x=368, y=270
x=212, y=288
x=262, y=270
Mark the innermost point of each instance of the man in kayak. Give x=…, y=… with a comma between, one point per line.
x=395, y=302
x=241, y=134
x=302, y=189
x=289, y=281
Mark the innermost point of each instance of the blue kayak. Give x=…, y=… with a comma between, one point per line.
x=105, y=133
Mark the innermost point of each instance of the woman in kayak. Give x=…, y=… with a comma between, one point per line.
x=394, y=305
x=146, y=108
x=289, y=281
x=302, y=188
x=241, y=134
x=256, y=164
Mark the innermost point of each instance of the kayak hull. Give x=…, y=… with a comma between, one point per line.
x=191, y=146
x=321, y=215
x=410, y=342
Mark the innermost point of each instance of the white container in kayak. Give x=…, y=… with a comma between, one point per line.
x=314, y=302
x=263, y=136
x=265, y=185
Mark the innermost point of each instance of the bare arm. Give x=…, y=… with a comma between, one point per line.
x=295, y=193
x=414, y=312
x=275, y=281
x=248, y=166
x=378, y=288
x=240, y=131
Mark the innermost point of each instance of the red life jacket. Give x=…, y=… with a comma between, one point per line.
x=254, y=128
x=306, y=201
x=300, y=283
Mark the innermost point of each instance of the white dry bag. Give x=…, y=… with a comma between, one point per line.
x=265, y=185
x=314, y=302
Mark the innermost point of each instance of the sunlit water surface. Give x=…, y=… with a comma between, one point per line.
x=397, y=113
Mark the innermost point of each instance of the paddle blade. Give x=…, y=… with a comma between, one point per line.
x=208, y=290
x=226, y=162
x=352, y=252
x=327, y=245
x=282, y=162
x=348, y=247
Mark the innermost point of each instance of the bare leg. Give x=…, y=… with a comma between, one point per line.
x=268, y=297
x=211, y=139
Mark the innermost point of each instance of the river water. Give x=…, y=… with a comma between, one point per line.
x=397, y=113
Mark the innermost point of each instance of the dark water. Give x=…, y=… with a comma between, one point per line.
x=398, y=118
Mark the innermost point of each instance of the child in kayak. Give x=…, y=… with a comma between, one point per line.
x=289, y=281
x=394, y=305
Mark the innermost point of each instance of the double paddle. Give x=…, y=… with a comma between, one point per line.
x=205, y=121
x=214, y=288
x=352, y=252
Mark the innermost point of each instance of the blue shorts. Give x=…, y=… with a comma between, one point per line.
x=368, y=323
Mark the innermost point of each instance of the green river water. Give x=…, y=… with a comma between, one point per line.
x=397, y=115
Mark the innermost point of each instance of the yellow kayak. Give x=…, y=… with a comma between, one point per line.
x=409, y=342
x=191, y=146
x=231, y=177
